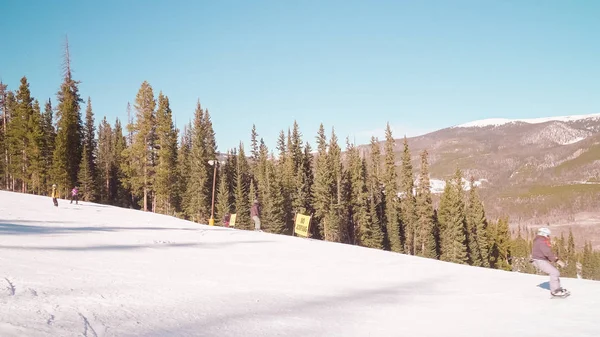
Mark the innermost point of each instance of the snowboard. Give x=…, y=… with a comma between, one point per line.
x=561, y=297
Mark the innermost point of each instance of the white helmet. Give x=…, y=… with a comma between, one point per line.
x=544, y=232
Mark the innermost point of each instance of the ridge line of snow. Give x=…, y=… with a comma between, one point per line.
x=502, y=121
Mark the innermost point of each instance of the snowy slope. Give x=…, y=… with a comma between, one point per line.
x=95, y=270
x=502, y=121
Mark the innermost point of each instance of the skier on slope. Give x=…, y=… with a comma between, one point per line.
x=74, y=195
x=542, y=257
x=54, y=195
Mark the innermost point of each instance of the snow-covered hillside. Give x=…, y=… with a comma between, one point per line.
x=502, y=121
x=96, y=270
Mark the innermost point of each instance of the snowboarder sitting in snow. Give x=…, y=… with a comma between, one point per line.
x=74, y=195
x=54, y=195
x=542, y=257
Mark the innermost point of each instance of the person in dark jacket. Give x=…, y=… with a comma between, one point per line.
x=543, y=257
x=255, y=215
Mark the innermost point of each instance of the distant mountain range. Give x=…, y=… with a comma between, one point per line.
x=541, y=171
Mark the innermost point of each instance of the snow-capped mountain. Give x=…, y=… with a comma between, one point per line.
x=98, y=270
x=504, y=121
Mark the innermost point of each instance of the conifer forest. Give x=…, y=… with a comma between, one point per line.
x=367, y=198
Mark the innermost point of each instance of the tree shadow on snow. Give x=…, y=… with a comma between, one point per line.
x=16, y=228
x=544, y=285
x=348, y=304
x=209, y=245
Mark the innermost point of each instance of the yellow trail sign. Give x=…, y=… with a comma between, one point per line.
x=302, y=225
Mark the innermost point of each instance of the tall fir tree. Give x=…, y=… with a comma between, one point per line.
x=452, y=222
x=48, y=139
x=322, y=186
x=183, y=170
x=88, y=176
x=222, y=206
x=408, y=202
x=141, y=151
x=69, y=130
x=365, y=233
x=499, y=235
x=392, y=202
x=376, y=205
x=198, y=196
x=35, y=144
x=426, y=226
x=335, y=221
x=18, y=135
x=106, y=160
x=476, y=229
x=3, y=135
x=273, y=215
x=242, y=182
x=166, y=170
x=570, y=258
x=120, y=192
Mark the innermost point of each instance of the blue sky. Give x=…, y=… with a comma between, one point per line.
x=352, y=65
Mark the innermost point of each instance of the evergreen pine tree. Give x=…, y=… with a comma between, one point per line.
x=35, y=144
x=375, y=190
x=242, y=206
x=408, y=202
x=85, y=175
x=392, y=206
x=183, y=171
x=120, y=193
x=106, y=160
x=3, y=135
x=322, y=186
x=166, y=170
x=273, y=217
x=570, y=259
x=520, y=254
x=477, y=229
x=452, y=222
x=425, y=228
x=18, y=135
x=47, y=141
x=499, y=235
x=69, y=129
x=141, y=150
x=222, y=205
x=88, y=175
x=588, y=261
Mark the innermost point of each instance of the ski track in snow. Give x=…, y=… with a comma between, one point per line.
x=10, y=287
x=96, y=271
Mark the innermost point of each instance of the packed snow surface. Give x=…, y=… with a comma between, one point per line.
x=502, y=121
x=96, y=270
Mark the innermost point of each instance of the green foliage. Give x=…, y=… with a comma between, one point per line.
x=425, y=231
x=88, y=172
x=452, y=222
x=323, y=188
x=391, y=200
x=499, y=235
x=166, y=168
x=477, y=233
x=408, y=202
x=69, y=133
x=242, y=182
